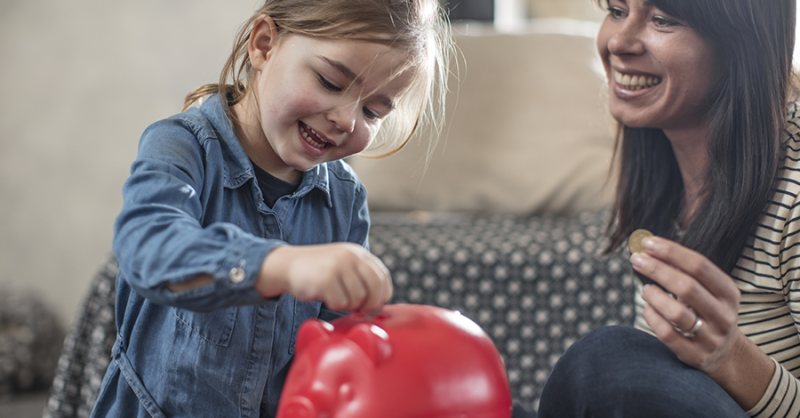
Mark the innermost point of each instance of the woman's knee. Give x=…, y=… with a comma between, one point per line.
x=621, y=371
x=597, y=363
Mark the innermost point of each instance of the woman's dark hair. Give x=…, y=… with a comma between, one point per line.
x=754, y=39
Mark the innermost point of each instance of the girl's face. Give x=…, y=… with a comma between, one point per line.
x=322, y=100
x=660, y=71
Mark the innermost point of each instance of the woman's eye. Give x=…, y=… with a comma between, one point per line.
x=615, y=12
x=663, y=22
x=328, y=85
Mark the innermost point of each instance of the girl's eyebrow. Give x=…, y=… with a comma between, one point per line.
x=355, y=79
x=344, y=70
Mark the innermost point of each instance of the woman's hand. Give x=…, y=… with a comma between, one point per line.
x=706, y=294
x=344, y=276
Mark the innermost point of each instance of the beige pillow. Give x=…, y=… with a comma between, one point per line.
x=526, y=133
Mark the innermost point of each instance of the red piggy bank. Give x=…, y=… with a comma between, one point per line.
x=410, y=361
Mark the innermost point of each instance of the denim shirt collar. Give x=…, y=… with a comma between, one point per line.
x=238, y=164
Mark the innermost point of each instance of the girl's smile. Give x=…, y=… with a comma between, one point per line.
x=315, y=100
x=316, y=143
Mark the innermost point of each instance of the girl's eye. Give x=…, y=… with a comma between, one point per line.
x=328, y=85
x=615, y=12
x=663, y=22
x=370, y=114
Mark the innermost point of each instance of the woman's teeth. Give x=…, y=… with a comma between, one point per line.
x=635, y=82
x=312, y=139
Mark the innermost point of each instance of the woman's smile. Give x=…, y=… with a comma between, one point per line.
x=634, y=82
x=661, y=72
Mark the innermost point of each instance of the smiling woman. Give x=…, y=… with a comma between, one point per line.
x=709, y=159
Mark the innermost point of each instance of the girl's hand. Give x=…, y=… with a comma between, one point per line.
x=704, y=292
x=345, y=276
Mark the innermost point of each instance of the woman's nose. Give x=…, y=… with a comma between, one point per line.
x=344, y=117
x=628, y=40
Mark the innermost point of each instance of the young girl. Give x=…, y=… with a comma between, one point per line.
x=240, y=221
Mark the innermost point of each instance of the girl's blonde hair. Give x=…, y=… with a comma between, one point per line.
x=418, y=27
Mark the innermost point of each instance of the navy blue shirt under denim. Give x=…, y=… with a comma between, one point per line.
x=192, y=205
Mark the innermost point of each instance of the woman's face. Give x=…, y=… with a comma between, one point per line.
x=660, y=71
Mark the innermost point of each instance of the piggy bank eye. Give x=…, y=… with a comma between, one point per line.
x=346, y=392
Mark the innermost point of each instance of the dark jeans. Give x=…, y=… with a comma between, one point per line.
x=623, y=372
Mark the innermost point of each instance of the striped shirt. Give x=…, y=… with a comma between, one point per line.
x=768, y=275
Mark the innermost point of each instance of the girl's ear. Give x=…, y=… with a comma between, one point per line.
x=263, y=39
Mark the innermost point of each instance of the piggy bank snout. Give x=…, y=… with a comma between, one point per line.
x=298, y=407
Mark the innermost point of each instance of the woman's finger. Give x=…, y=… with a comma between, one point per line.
x=673, y=311
x=687, y=349
x=693, y=264
x=690, y=291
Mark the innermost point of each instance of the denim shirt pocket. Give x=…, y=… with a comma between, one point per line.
x=215, y=327
x=302, y=312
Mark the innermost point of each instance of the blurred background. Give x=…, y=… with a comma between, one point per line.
x=82, y=80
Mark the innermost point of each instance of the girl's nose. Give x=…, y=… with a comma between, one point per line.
x=628, y=40
x=344, y=117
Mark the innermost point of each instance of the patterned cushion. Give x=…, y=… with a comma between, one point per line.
x=87, y=349
x=30, y=338
x=535, y=284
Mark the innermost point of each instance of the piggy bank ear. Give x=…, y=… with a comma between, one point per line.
x=312, y=330
x=373, y=340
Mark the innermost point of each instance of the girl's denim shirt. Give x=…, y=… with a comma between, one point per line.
x=192, y=205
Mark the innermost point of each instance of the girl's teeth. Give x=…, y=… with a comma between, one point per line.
x=635, y=82
x=310, y=140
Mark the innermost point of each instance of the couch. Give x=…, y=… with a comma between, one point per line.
x=503, y=221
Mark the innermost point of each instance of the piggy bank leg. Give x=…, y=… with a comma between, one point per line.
x=297, y=407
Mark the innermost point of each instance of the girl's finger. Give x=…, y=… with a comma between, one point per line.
x=367, y=282
x=338, y=296
x=356, y=288
x=379, y=283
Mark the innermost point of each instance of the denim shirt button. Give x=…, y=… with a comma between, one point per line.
x=237, y=274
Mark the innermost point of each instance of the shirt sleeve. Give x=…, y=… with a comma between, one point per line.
x=359, y=224
x=159, y=238
x=782, y=397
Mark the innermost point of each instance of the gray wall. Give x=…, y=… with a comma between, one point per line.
x=80, y=81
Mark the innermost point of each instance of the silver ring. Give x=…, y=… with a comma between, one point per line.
x=692, y=332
